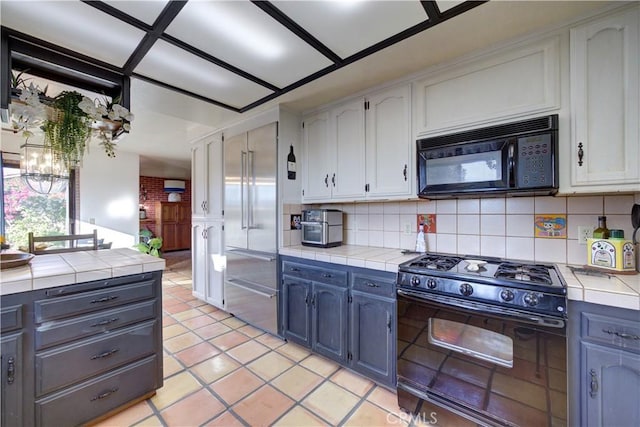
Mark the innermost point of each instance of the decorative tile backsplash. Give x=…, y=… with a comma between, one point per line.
x=501, y=227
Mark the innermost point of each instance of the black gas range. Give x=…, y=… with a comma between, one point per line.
x=503, y=283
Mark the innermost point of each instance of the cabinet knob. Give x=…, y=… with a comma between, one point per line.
x=11, y=370
x=404, y=172
x=580, y=153
x=593, y=384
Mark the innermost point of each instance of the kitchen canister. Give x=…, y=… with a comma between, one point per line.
x=613, y=254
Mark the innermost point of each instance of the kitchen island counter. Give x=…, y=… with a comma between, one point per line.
x=615, y=290
x=47, y=271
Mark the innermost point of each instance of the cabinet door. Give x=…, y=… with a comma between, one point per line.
x=199, y=260
x=297, y=310
x=329, y=321
x=372, y=341
x=215, y=180
x=169, y=212
x=199, y=179
x=610, y=387
x=604, y=102
x=11, y=376
x=183, y=235
x=316, y=158
x=389, y=145
x=346, y=140
x=169, y=237
x=215, y=264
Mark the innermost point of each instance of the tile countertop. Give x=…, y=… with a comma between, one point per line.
x=47, y=271
x=616, y=290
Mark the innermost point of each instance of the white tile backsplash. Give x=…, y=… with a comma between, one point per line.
x=501, y=227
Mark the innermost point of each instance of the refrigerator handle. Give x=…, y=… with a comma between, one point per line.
x=251, y=186
x=243, y=174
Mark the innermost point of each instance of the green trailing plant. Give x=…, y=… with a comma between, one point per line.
x=67, y=128
x=149, y=244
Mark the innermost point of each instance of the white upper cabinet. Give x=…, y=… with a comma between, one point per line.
x=360, y=150
x=605, y=146
x=206, y=178
x=347, y=144
x=389, y=148
x=316, y=159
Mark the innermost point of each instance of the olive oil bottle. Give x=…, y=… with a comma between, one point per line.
x=602, y=232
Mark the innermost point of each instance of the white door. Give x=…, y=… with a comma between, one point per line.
x=316, y=160
x=215, y=181
x=199, y=180
x=605, y=112
x=215, y=264
x=347, y=178
x=390, y=170
x=199, y=260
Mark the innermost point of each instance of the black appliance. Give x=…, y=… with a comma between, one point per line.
x=482, y=341
x=513, y=158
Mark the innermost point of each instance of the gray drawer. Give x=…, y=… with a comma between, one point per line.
x=59, y=332
x=373, y=285
x=10, y=318
x=67, y=365
x=317, y=274
x=85, y=302
x=617, y=332
x=87, y=401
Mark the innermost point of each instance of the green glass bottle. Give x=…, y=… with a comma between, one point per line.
x=602, y=232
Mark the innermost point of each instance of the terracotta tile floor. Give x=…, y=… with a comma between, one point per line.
x=219, y=371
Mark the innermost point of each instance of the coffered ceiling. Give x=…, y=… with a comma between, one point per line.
x=198, y=65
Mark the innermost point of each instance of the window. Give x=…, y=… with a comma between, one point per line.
x=25, y=210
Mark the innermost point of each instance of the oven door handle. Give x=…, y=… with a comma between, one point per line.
x=486, y=309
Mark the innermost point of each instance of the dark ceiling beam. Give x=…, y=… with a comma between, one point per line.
x=186, y=92
x=5, y=74
x=293, y=26
x=432, y=10
x=165, y=18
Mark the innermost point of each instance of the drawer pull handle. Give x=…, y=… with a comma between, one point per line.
x=622, y=335
x=295, y=269
x=104, y=322
x=11, y=370
x=105, y=354
x=327, y=275
x=593, y=385
x=105, y=299
x=580, y=153
x=104, y=395
x=372, y=285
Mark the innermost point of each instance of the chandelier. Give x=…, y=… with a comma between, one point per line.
x=41, y=170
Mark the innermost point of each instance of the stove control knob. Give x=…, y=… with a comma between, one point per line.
x=415, y=281
x=466, y=289
x=432, y=283
x=506, y=295
x=531, y=299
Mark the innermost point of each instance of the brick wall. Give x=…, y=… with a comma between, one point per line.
x=154, y=188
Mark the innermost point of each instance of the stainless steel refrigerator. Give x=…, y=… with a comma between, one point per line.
x=250, y=227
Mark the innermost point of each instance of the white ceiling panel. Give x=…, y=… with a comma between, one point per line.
x=172, y=65
x=347, y=27
x=242, y=35
x=444, y=5
x=146, y=11
x=75, y=26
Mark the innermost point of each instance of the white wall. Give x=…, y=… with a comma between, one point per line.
x=109, y=196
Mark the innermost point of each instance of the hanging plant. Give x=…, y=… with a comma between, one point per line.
x=67, y=128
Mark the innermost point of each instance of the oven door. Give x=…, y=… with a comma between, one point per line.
x=466, y=168
x=494, y=369
x=313, y=233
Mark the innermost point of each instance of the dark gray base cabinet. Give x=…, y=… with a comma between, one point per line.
x=344, y=313
x=74, y=353
x=604, y=354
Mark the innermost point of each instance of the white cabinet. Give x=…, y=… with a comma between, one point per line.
x=605, y=146
x=360, y=150
x=206, y=178
x=389, y=149
x=207, y=262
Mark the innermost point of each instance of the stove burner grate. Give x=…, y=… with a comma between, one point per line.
x=436, y=262
x=525, y=273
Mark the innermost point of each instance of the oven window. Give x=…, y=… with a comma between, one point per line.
x=312, y=233
x=465, y=168
x=471, y=340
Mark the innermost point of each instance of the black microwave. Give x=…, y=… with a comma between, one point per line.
x=513, y=158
